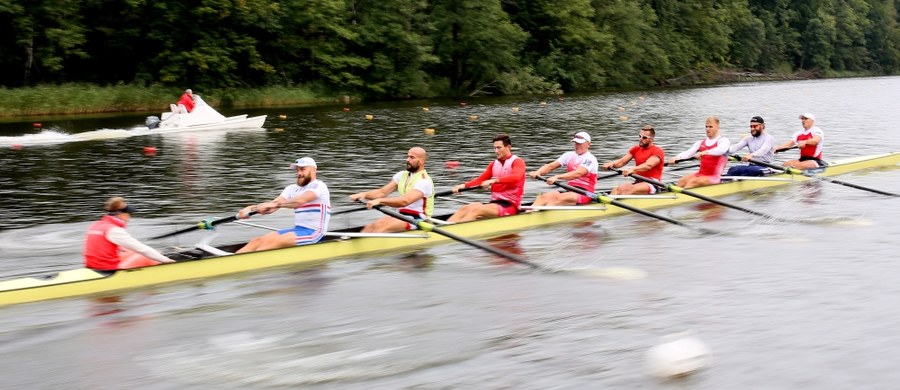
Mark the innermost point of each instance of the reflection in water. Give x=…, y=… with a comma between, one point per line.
x=509, y=243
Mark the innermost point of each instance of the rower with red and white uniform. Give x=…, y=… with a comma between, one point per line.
x=108, y=246
x=581, y=171
x=713, y=155
x=505, y=177
x=810, y=140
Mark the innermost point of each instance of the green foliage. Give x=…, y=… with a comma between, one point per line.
x=419, y=48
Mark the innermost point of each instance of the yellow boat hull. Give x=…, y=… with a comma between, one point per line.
x=85, y=282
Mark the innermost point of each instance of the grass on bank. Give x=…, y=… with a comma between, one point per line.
x=70, y=99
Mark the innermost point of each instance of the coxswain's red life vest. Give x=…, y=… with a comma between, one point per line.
x=99, y=252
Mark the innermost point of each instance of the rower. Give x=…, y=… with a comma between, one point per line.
x=416, y=195
x=310, y=201
x=648, y=162
x=505, y=177
x=108, y=247
x=761, y=146
x=809, y=140
x=581, y=171
x=713, y=155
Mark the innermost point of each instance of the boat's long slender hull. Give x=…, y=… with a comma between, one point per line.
x=84, y=281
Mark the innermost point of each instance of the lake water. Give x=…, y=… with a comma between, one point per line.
x=780, y=305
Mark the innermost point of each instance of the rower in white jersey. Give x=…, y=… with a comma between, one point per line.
x=416, y=195
x=311, y=202
x=581, y=171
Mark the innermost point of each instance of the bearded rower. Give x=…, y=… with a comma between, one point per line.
x=416, y=195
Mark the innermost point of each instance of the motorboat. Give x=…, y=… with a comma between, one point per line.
x=202, y=117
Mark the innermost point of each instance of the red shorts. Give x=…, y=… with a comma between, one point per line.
x=505, y=207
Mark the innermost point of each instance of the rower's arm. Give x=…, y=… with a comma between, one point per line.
x=544, y=169
x=618, y=163
x=120, y=237
x=382, y=192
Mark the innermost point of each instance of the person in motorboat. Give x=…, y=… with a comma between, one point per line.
x=761, y=146
x=648, y=162
x=505, y=177
x=187, y=100
x=810, y=140
x=713, y=154
x=581, y=171
x=416, y=195
x=310, y=201
x=108, y=246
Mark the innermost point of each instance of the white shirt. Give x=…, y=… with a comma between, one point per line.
x=761, y=148
x=423, y=186
x=316, y=213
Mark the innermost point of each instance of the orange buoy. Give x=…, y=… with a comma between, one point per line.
x=473, y=117
x=282, y=116
x=463, y=104
x=149, y=150
x=370, y=117
x=36, y=124
x=451, y=164
x=429, y=131
x=425, y=108
x=346, y=109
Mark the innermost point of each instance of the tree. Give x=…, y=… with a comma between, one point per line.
x=475, y=43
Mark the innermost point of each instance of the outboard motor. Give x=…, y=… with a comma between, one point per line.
x=152, y=122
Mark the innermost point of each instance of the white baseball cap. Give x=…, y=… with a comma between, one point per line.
x=581, y=137
x=808, y=115
x=304, y=162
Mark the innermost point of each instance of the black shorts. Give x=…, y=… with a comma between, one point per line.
x=818, y=161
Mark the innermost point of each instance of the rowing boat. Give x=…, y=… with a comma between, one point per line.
x=200, y=263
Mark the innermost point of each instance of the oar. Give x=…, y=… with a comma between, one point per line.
x=608, y=200
x=795, y=171
x=677, y=161
x=674, y=188
x=786, y=149
x=424, y=226
x=437, y=194
x=205, y=224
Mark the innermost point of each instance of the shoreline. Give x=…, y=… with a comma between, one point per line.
x=42, y=102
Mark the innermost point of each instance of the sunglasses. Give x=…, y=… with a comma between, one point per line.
x=641, y=136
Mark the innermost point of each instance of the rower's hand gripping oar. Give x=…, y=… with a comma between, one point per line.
x=795, y=171
x=425, y=226
x=607, y=200
x=205, y=224
x=674, y=188
x=437, y=194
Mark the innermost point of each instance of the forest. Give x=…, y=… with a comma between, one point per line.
x=388, y=49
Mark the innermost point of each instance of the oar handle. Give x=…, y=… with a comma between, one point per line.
x=786, y=149
x=205, y=224
x=679, y=161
